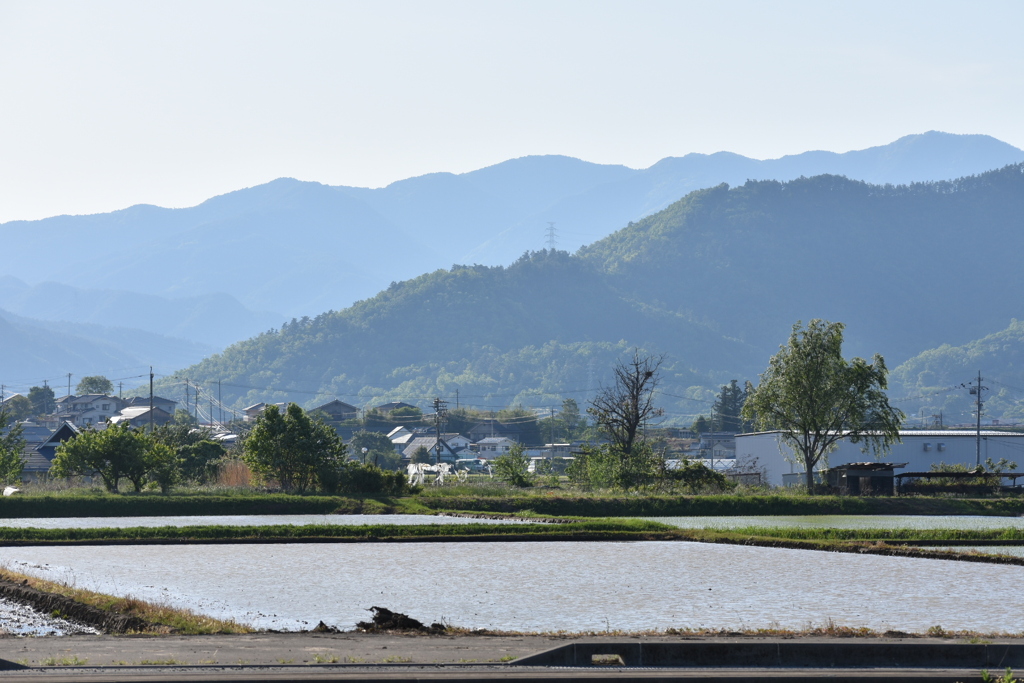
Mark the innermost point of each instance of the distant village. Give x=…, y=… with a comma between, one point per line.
x=485, y=440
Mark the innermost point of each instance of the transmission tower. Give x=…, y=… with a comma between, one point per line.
x=552, y=236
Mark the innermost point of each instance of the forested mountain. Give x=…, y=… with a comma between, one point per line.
x=932, y=382
x=714, y=281
x=211, y=320
x=37, y=349
x=301, y=247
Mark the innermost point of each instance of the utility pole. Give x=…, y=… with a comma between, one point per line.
x=69, y=384
x=120, y=386
x=976, y=392
x=220, y=405
x=440, y=415
x=456, y=399
x=150, y=399
x=552, y=236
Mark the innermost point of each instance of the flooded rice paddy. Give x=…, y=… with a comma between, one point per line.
x=847, y=522
x=238, y=520
x=545, y=586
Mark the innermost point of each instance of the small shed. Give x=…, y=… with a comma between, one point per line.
x=863, y=478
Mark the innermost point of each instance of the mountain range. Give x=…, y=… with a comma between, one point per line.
x=211, y=273
x=714, y=281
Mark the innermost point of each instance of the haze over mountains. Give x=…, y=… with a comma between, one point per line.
x=714, y=281
x=302, y=248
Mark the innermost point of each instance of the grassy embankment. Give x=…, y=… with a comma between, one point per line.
x=557, y=502
x=165, y=619
x=320, y=533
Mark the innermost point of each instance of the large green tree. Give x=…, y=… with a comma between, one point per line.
x=292, y=448
x=12, y=464
x=118, y=452
x=728, y=409
x=379, y=449
x=94, y=384
x=197, y=455
x=43, y=401
x=816, y=398
x=17, y=408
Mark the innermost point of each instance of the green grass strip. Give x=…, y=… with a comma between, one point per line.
x=828, y=534
x=285, y=532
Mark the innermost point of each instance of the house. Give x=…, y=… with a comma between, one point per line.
x=255, y=410
x=493, y=446
x=430, y=443
x=400, y=438
x=164, y=404
x=139, y=417
x=89, y=410
x=920, y=449
x=491, y=427
x=41, y=448
x=338, y=410
x=717, y=445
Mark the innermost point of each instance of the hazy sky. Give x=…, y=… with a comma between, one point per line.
x=108, y=104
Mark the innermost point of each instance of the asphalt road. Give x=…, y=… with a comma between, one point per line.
x=367, y=657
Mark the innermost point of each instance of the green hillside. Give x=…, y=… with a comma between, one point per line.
x=933, y=380
x=714, y=282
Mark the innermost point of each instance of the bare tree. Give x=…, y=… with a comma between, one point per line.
x=622, y=410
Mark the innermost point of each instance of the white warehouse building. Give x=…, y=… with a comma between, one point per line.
x=920, y=449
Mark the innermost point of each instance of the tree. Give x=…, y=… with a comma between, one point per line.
x=572, y=422
x=12, y=464
x=513, y=467
x=728, y=409
x=95, y=384
x=297, y=451
x=116, y=453
x=42, y=399
x=622, y=410
x=17, y=408
x=420, y=455
x=816, y=398
x=198, y=456
x=700, y=425
x=379, y=448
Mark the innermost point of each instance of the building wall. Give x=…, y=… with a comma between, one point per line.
x=949, y=446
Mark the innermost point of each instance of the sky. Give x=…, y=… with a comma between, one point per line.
x=108, y=104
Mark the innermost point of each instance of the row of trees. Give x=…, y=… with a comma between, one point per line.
x=809, y=392
x=166, y=456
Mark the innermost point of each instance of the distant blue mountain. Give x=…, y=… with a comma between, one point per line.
x=302, y=248
x=210, y=320
x=36, y=350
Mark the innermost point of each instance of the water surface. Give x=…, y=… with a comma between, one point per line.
x=545, y=586
x=847, y=522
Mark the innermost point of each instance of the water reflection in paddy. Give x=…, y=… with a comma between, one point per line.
x=847, y=522
x=545, y=585
x=237, y=520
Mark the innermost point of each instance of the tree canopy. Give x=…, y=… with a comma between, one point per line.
x=816, y=398
x=94, y=384
x=293, y=449
x=12, y=464
x=42, y=399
